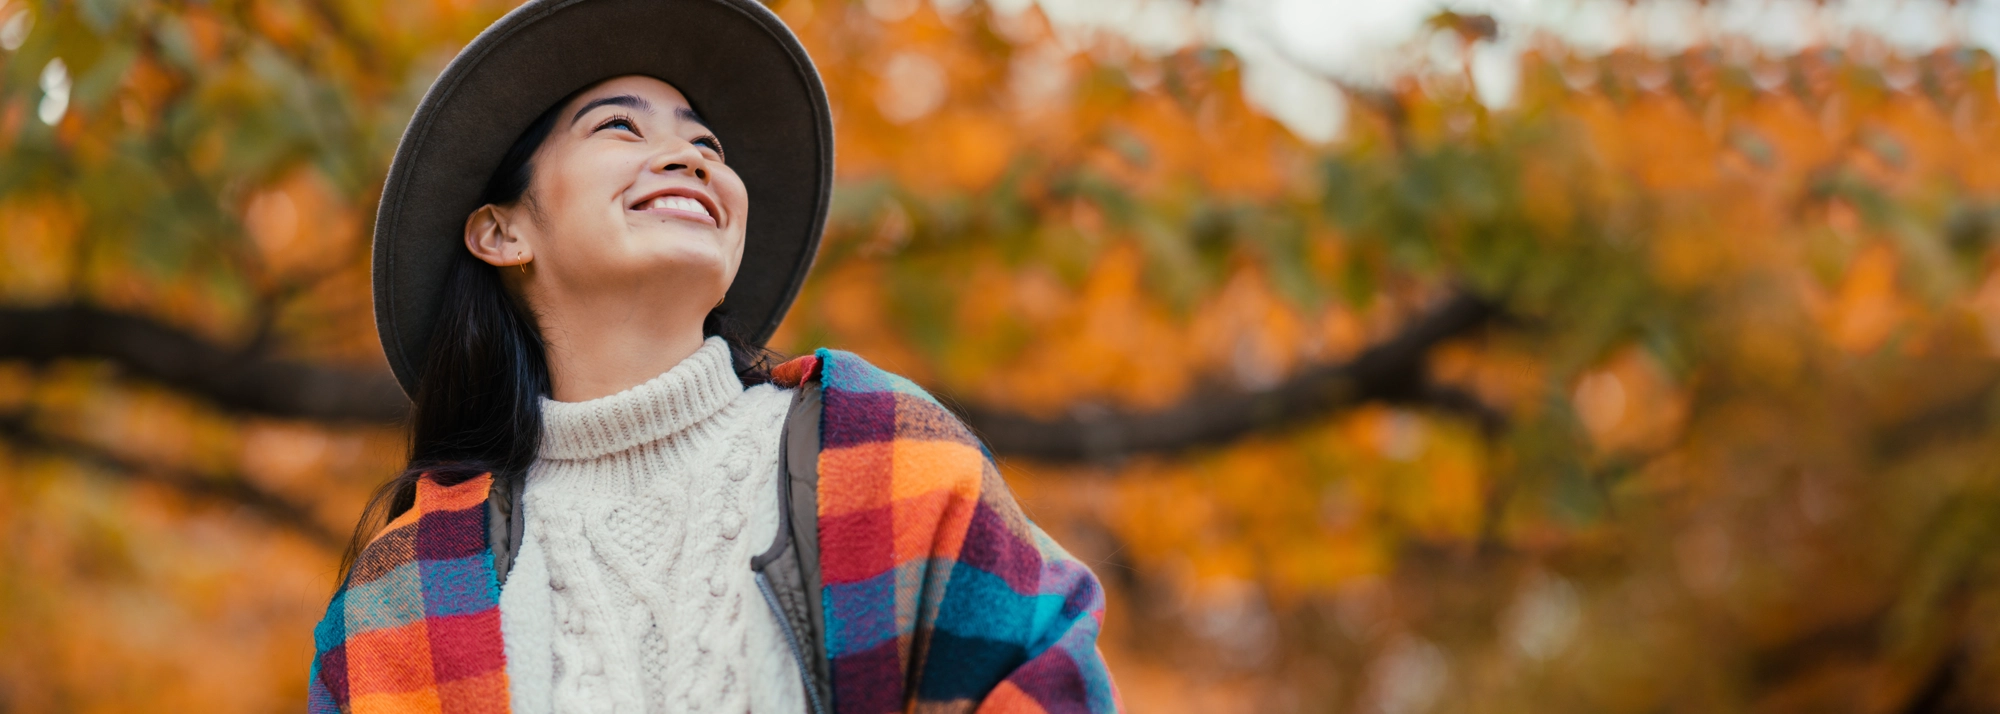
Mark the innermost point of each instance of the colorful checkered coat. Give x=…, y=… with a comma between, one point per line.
x=938, y=593
x=416, y=628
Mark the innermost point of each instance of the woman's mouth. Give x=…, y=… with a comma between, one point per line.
x=675, y=205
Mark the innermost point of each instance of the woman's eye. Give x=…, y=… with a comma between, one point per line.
x=618, y=123
x=711, y=142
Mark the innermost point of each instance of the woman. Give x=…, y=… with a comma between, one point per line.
x=613, y=501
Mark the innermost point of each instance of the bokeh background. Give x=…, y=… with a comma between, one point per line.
x=1381, y=355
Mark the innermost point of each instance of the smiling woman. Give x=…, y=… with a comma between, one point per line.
x=614, y=501
x=631, y=236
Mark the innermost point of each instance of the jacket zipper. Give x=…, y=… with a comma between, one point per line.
x=792, y=640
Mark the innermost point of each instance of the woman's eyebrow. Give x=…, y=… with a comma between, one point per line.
x=690, y=115
x=622, y=100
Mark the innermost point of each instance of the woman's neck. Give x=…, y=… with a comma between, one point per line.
x=598, y=354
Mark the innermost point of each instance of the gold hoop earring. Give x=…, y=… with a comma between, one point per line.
x=718, y=302
x=523, y=265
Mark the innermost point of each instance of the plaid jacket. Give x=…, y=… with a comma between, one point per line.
x=938, y=594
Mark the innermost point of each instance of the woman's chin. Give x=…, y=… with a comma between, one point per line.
x=679, y=244
x=683, y=265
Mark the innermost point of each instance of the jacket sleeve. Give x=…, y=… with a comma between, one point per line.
x=938, y=593
x=329, y=663
x=1063, y=671
x=1020, y=615
x=416, y=625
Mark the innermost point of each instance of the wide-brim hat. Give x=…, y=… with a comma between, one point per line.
x=735, y=61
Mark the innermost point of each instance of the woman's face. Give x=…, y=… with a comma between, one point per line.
x=628, y=196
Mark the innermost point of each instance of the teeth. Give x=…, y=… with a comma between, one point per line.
x=680, y=203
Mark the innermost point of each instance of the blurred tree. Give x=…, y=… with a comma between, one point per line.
x=1670, y=387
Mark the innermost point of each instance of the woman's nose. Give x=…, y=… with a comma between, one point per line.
x=685, y=158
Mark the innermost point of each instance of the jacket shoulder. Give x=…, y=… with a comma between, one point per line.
x=796, y=371
x=868, y=404
x=446, y=522
x=426, y=572
x=884, y=439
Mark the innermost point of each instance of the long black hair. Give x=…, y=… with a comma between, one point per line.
x=477, y=407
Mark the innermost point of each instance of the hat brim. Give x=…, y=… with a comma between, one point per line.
x=736, y=62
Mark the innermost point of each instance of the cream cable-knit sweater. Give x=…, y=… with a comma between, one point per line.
x=633, y=590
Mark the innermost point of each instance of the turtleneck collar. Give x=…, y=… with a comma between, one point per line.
x=693, y=390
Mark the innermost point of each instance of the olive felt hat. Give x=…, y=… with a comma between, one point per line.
x=739, y=66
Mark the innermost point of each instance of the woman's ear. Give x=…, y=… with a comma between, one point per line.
x=487, y=236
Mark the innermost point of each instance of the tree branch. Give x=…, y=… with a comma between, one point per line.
x=1391, y=371
x=232, y=489
x=232, y=379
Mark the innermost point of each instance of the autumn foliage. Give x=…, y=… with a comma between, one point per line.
x=1722, y=436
